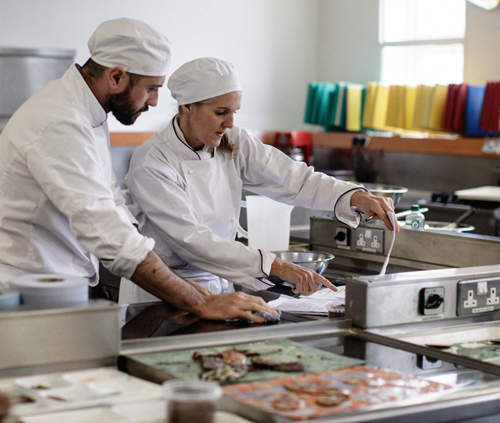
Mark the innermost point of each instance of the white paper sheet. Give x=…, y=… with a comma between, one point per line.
x=313, y=304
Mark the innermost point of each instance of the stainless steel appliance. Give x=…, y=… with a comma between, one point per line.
x=25, y=71
x=40, y=339
x=362, y=251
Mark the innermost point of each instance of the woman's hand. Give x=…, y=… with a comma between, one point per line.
x=371, y=205
x=306, y=280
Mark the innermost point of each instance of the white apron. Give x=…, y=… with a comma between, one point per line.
x=211, y=197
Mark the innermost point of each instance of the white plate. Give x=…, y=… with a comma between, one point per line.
x=80, y=393
x=94, y=375
x=101, y=389
x=118, y=387
x=40, y=383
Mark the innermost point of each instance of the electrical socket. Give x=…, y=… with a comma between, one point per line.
x=370, y=240
x=493, y=298
x=476, y=296
x=470, y=301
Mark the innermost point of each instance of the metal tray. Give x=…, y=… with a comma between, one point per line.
x=59, y=338
x=161, y=366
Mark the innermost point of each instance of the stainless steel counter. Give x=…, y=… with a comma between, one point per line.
x=476, y=395
x=370, y=335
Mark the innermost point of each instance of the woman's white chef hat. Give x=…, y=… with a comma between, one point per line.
x=202, y=79
x=132, y=45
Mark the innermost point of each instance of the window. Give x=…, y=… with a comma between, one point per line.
x=422, y=41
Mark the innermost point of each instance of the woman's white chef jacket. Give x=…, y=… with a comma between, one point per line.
x=60, y=209
x=191, y=205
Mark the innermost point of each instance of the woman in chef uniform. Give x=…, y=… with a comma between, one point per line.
x=185, y=185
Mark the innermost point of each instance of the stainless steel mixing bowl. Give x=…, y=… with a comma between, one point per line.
x=314, y=260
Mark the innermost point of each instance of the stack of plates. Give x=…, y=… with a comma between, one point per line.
x=51, y=289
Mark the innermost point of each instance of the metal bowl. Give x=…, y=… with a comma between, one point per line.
x=314, y=260
x=445, y=226
x=383, y=190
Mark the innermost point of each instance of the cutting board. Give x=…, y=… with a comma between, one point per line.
x=162, y=366
x=366, y=387
x=486, y=193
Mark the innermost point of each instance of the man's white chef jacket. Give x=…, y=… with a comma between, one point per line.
x=60, y=209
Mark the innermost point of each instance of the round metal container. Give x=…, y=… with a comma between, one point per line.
x=314, y=260
x=443, y=226
x=438, y=226
x=383, y=190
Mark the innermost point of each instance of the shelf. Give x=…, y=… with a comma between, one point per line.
x=459, y=146
x=128, y=138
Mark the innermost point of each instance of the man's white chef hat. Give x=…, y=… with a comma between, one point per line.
x=202, y=79
x=132, y=45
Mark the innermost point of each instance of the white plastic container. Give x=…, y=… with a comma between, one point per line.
x=268, y=223
x=415, y=220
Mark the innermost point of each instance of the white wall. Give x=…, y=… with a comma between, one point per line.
x=272, y=52
x=347, y=47
x=277, y=45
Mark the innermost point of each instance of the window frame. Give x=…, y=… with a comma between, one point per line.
x=437, y=41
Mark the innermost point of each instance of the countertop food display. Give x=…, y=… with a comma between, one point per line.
x=314, y=395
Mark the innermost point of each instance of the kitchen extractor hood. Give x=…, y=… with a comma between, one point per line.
x=23, y=72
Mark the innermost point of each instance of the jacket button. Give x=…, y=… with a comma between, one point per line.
x=190, y=171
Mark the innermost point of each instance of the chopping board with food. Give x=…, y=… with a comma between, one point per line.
x=325, y=393
x=238, y=363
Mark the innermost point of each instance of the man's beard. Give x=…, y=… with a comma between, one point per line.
x=122, y=107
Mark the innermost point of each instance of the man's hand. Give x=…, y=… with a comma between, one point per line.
x=305, y=280
x=156, y=278
x=371, y=205
x=233, y=306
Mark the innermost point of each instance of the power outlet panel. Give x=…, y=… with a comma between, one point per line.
x=370, y=240
x=476, y=296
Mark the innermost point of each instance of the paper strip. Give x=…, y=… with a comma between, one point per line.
x=394, y=222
